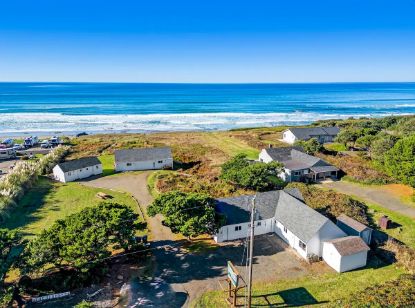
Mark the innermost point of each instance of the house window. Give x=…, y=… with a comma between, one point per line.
x=160, y=161
x=285, y=230
x=69, y=173
x=96, y=167
x=128, y=164
x=80, y=170
x=302, y=245
x=87, y=169
x=258, y=223
x=238, y=228
x=296, y=172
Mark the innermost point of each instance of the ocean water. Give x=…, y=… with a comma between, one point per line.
x=125, y=107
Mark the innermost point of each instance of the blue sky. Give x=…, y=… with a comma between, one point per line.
x=207, y=41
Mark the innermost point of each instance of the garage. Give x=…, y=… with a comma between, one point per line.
x=345, y=253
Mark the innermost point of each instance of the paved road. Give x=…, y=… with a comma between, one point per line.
x=372, y=194
x=177, y=276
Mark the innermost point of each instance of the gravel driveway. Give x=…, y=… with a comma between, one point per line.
x=372, y=194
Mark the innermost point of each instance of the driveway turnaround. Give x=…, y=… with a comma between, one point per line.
x=178, y=275
x=372, y=194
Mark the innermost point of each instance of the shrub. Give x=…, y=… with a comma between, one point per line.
x=404, y=255
x=310, y=146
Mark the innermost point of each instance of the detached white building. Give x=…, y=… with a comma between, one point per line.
x=77, y=169
x=283, y=212
x=322, y=134
x=346, y=253
x=143, y=159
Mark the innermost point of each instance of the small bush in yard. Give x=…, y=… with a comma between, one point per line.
x=404, y=255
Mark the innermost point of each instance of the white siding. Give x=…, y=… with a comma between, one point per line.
x=230, y=232
x=79, y=174
x=264, y=157
x=343, y=263
x=290, y=239
x=288, y=137
x=144, y=165
x=328, y=232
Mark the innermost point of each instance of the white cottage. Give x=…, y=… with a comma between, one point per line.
x=280, y=212
x=77, y=169
x=352, y=227
x=322, y=134
x=143, y=159
x=346, y=253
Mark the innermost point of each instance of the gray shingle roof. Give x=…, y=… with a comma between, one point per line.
x=143, y=154
x=299, y=218
x=80, y=163
x=309, y=132
x=349, y=245
x=294, y=159
x=354, y=224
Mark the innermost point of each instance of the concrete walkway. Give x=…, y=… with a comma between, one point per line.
x=372, y=194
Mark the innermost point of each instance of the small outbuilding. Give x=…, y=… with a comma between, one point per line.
x=345, y=253
x=352, y=227
x=143, y=159
x=77, y=169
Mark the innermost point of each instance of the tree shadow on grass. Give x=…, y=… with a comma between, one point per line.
x=23, y=213
x=288, y=298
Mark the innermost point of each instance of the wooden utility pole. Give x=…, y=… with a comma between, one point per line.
x=251, y=251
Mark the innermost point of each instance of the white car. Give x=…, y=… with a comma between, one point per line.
x=18, y=147
x=45, y=144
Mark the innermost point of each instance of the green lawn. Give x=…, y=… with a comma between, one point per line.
x=338, y=147
x=316, y=289
x=107, y=161
x=231, y=146
x=49, y=201
x=405, y=232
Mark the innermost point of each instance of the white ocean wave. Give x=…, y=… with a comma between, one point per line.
x=56, y=122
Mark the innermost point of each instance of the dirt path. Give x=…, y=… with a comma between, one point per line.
x=373, y=194
x=136, y=185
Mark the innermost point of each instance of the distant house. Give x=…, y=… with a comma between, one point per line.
x=299, y=166
x=283, y=212
x=353, y=227
x=322, y=134
x=346, y=253
x=278, y=212
x=143, y=159
x=77, y=169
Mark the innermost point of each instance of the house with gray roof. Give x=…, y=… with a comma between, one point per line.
x=301, y=227
x=282, y=212
x=143, y=159
x=299, y=166
x=77, y=169
x=322, y=134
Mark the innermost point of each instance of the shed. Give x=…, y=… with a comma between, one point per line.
x=77, y=169
x=345, y=253
x=385, y=222
x=143, y=159
x=352, y=227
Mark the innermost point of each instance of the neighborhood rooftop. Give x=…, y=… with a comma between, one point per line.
x=287, y=209
x=354, y=224
x=80, y=163
x=143, y=154
x=349, y=245
x=310, y=132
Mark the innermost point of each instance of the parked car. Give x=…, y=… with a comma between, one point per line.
x=18, y=147
x=81, y=134
x=54, y=141
x=8, y=143
x=31, y=141
x=45, y=144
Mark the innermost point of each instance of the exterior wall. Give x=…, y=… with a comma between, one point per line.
x=297, y=175
x=71, y=176
x=290, y=239
x=343, y=263
x=288, y=137
x=328, y=232
x=264, y=157
x=228, y=233
x=144, y=165
x=366, y=235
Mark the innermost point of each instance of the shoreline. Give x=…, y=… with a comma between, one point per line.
x=171, y=123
